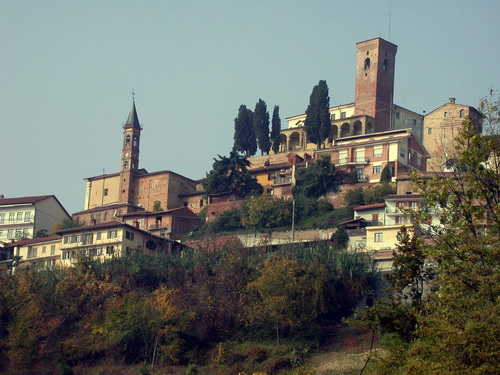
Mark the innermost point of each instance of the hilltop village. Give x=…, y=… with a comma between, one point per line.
x=134, y=208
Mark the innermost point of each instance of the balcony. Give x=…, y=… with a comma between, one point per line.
x=282, y=180
x=353, y=161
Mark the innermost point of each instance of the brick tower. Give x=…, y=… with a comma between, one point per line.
x=375, y=81
x=130, y=156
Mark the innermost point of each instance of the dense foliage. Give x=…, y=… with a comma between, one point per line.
x=275, y=130
x=455, y=328
x=166, y=309
x=316, y=180
x=363, y=196
x=244, y=134
x=317, y=124
x=230, y=174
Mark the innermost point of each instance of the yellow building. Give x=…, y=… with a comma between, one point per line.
x=36, y=252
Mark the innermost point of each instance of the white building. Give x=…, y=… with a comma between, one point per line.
x=23, y=217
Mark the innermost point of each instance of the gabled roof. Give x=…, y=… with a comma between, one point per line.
x=370, y=207
x=24, y=200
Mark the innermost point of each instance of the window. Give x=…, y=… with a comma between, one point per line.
x=27, y=216
x=201, y=202
x=342, y=115
x=10, y=233
x=26, y=232
x=32, y=252
x=79, y=238
x=44, y=248
x=106, y=191
x=377, y=151
x=377, y=169
x=66, y=255
x=12, y=216
x=87, y=239
x=127, y=140
x=110, y=250
x=419, y=160
x=399, y=220
x=462, y=113
x=98, y=236
x=397, y=114
x=414, y=205
x=135, y=141
x=429, y=131
x=361, y=173
x=52, y=249
x=377, y=237
x=112, y=234
x=375, y=218
x=19, y=216
x=125, y=164
x=385, y=65
x=402, y=153
x=342, y=157
x=106, y=216
x=446, y=114
x=18, y=233
x=360, y=156
x=414, y=122
x=129, y=235
x=367, y=63
x=141, y=222
x=97, y=251
x=2, y=218
x=400, y=204
x=332, y=116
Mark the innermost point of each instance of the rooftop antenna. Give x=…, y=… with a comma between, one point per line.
x=390, y=5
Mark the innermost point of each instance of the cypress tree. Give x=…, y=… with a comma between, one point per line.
x=275, y=130
x=244, y=135
x=261, y=126
x=317, y=123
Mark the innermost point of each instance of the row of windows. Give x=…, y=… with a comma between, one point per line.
x=33, y=251
x=16, y=233
x=461, y=114
x=87, y=239
x=17, y=216
x=109, y=250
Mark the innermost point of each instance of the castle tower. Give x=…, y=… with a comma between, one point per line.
x=130, y=156
x=375, y=81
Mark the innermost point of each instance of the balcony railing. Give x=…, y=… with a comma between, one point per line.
x=282, y=180
x=353, y=161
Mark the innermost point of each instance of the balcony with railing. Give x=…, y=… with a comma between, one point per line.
x=353, y=161
x=282, y=180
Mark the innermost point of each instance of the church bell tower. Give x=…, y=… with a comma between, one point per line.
x=130, y=156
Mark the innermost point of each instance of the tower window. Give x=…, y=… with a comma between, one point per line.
x=127, y=140
x=135, y=141
x=125, y=165
x=385, y=65
x=367, y=63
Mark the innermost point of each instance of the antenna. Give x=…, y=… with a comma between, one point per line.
x=133, y=96
x=390, y=5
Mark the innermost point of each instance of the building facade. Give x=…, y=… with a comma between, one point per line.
x=24, y=217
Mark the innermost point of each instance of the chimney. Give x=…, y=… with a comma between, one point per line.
x=452, y=100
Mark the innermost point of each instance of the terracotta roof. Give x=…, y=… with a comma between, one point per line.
x=370, y=206
x=108, y=207
x=33, y=241
x=399, y=196
x=24, y=200
x=107, y=224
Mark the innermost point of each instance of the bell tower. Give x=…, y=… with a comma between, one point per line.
x=130, y=156
x=375, y=69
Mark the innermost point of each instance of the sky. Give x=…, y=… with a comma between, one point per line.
x=68, y=69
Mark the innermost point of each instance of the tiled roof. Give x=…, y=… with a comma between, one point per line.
x=24, y=200
x=370, y=206
x=401, y=196
x=107, y=224
x=33, y=241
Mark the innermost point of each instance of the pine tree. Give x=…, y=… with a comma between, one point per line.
x=317, y=123
x=275, y=130
x=244, y=135
x=261, y=126
x=386, y=175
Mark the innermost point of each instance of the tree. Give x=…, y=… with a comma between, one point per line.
x=275, y=130
x=317, y=123
x=386, y=175
x=244, y=134
x=458, y=325
x=267, y=211
x=340, y=238
x=261, y=126
x=230, y=174
x=67, y=224
x=317, y=180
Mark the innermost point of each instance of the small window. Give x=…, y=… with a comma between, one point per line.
x=385, y=66
x=446, y=114
x=106, y=216
x=397, y=114
x=112, y=234
x=19, y=216
x=127, y=140
x=135, y=141
x=44, y=248
x=399, y=220
x=98, y=236
x=377, y=169
x=201, y=202
x=377, y=237
x=125, y=164
x=106, y=192
x=52, y=249
x=332, y=116
x=110, y=250
x=342, y=115
x=429, y=131
x=462, y=113
x=27, y=216
x=129, y=235
x=377, y=152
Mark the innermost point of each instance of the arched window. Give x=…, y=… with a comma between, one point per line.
x=125, y=164
x=367, y=63
x=385, y=65
x=127, y=140
x=462, y=113
x=135, y=141
x=106, y=216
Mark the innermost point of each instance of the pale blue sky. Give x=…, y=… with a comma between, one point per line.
x=67, y=69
